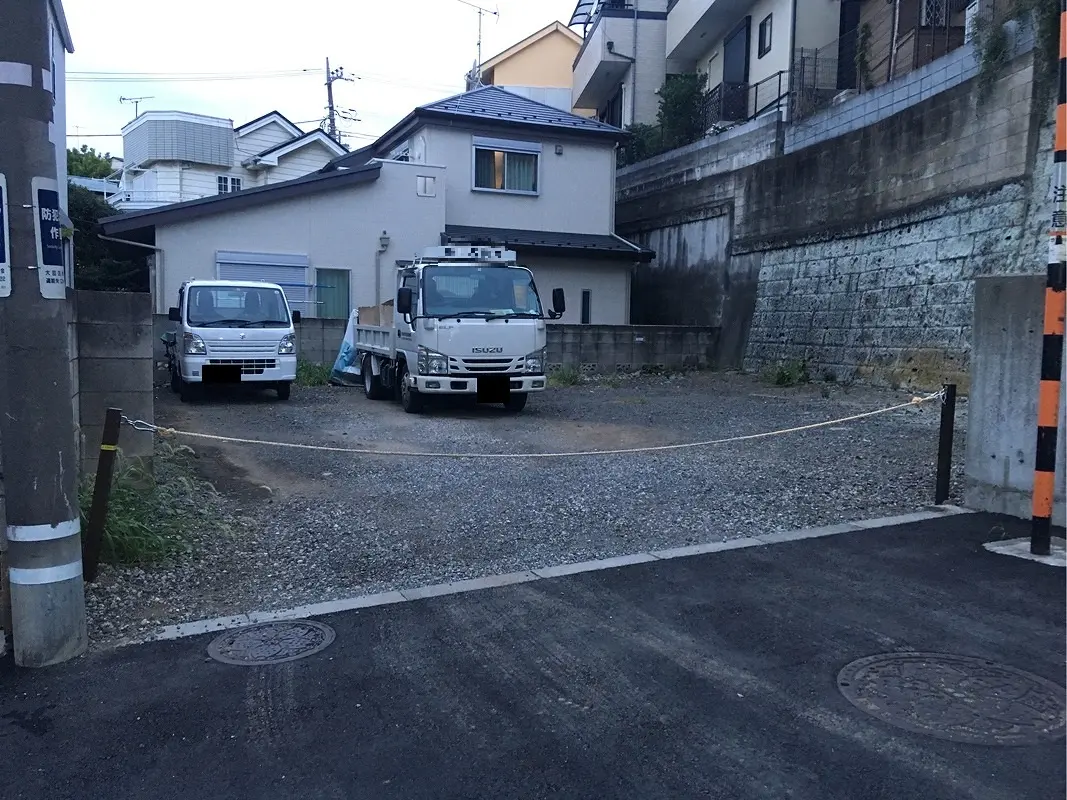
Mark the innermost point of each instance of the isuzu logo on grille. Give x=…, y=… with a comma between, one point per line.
x=487, y=349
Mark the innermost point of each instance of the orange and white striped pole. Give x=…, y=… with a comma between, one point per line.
x=1048, y=397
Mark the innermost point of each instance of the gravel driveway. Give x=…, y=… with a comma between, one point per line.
x=318, y=526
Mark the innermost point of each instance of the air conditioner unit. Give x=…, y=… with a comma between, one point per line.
x=970, y=21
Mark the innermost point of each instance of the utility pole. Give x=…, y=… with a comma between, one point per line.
x=331, y=110
x=37, y=433
x=1049, y=389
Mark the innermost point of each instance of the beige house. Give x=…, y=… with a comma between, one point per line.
x=540, y=67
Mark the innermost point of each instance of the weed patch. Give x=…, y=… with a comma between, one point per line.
x=565, y=376
x=150, y=516
x=309, y=374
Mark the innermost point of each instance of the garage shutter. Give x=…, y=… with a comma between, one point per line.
x=288, y=270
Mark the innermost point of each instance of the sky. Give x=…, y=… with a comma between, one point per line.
x=400, y=53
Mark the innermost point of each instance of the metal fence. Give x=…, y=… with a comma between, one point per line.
x=731, y=103
x=888, y=41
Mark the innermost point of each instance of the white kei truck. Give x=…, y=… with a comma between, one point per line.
x=467, y=320
x=231, y=332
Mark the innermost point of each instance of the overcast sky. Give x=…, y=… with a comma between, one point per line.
x=404, y=52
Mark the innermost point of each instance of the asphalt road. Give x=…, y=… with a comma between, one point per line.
x=708, y=676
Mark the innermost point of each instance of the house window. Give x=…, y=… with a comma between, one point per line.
x=227, y=184
x=586, y=305
x=932, y=13
x=505, y=170
x=765, y=36
x=426, y=186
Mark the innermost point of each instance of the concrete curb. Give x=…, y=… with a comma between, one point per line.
x=200, y=627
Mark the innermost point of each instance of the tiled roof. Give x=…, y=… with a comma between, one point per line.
x=500, y=105
x=593, y=245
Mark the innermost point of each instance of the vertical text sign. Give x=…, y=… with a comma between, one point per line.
x=5, y=242
x=48, y=225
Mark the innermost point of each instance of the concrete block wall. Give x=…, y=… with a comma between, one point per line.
x=115, y=368
x=1002, y=407
x=630, y=348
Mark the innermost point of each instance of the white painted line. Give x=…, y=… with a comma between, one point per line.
x=459, y=587
x=808, y=533
x=39, y=576
x=17, y=74
x=593, y=566
x=703, y=549
x=200, y=627
x=43, y=533
x=1020, y=548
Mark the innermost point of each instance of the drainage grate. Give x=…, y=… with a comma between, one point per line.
x=271, y=643
x=957, y=698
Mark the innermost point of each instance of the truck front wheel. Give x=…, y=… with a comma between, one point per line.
x=410, y=399
x=516, y=403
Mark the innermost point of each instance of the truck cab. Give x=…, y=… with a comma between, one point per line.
x=231, y=332
x=466, y=320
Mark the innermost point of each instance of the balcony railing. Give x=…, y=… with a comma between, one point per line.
x=886, y=46
x=155, y=198
x=731, y=103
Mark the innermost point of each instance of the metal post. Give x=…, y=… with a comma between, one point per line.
x=944, y=444
x=40, y=454
x=1048, y=394
x=105, y=466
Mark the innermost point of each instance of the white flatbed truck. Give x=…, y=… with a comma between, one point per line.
x=467, y=320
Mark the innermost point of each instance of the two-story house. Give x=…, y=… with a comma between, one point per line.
x=174, y=156
x=486, y=166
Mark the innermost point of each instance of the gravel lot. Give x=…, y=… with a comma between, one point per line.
x=298, y=526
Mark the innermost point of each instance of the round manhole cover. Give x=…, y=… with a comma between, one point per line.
x=958, y=698
x=271, y=643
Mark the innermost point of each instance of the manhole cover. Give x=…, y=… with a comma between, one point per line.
x=271, y=643
x=957, y=698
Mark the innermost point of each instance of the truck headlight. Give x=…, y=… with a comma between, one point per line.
x=287, y=346
x=535, y=363
x=193, y=345
x=432, y=363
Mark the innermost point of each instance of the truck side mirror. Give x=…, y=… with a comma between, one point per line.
x=174, y=314
x=559, y=302
x=296, y=317
x=404, y=300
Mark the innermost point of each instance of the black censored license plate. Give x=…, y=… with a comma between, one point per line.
x=221, y=373
x=494, y=389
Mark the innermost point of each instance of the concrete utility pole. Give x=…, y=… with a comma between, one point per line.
x=37, y=432
x=1049, y=389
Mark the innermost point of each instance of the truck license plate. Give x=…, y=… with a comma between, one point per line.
x=494, y=388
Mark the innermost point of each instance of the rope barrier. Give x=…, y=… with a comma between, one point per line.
x=141, y=425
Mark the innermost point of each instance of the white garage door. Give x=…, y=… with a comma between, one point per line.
x=288, y=270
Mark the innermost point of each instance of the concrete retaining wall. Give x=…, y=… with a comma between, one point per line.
x=857, y=253
x=1002, y=410
x=115, y=353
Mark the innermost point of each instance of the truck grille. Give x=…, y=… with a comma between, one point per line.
x=249, y=366
x=483, y=366
x=244, y=349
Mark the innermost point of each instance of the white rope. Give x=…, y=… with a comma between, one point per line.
x=162, y=431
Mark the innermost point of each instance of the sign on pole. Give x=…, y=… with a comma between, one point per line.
x=5, y=242
x=48, y=226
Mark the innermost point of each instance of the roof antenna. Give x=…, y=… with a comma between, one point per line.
x=136, y=103
x=474, y=77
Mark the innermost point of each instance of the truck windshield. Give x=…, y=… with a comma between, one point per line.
x=479, y=291
x=237, y=306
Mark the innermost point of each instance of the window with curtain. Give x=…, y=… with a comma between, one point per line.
x=505, y=171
